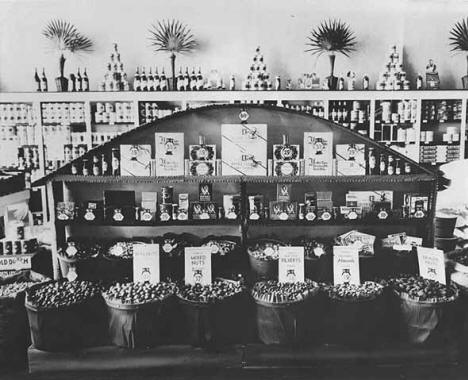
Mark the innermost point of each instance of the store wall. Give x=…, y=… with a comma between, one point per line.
x=229, y=32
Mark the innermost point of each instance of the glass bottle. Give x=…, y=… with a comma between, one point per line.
x=115, y=161
x=144, y=80
x=79, y=81
x=383, y=165
x=85, y=81
x=44, y=81
x=156, y=80
x=150, y=80
x=137, y=80
x=37, y=80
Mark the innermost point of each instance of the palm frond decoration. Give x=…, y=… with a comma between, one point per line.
x=459, y=36
x=65, y=38
x=332, y=36
x=173, y=37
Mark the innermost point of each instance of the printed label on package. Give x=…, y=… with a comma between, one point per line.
x=432, y=264
x=346, y=265
x=146, y=263
x=169, y=154
x=135, y=160
x=318, y=153
x=198, y=265
x=18, y=262
x=244, y=149
x=291, y=264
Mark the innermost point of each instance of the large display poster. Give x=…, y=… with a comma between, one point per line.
x=244, y=149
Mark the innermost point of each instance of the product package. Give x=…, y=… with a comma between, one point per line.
x=65, y=211
x=204, y=210
x=135, y=160
x=416, y=205
x=350, y=159
x=169, y=154
x=255, y=207
x=148, y=208
x=119, y=206
x=232, y=205
x=318, y=153
x=364, y=242
x=202, y=159
x=244, y=149
x=286, y=158
x=283, y=210
x=92, y=211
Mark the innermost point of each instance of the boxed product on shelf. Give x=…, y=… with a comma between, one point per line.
x=204, y=210
x=135, y=160
x=416, y=205
x=169, y=154
x=286, y=158
x=232, y=206
x=256, y=207
x=148, y=208
x=202, y=159
x=283, y=210
x=65, y=211
x=364, y=242
x=92, y=211
x=350, y=159
x=244, y=149
x=318, y=153
x=119, y=206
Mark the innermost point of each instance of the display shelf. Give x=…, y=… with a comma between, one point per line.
x=338, y=223
x=211, y=222
x=127, y=179
x=245, y=179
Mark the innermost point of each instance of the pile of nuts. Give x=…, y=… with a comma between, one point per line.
x=172, y=246
x=121, y=250
x=220, y=247
x=11, y=290
x=80, y=250
x=59, y=294
x=462, y=257
x=265, y=249
x=273, y=291
x=423, y=289
x=312, y=247
x=365, y=291
x=214, y=292
x=132, y=293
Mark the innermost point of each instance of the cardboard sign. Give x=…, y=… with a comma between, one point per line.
x=350, y=159
x=169, y=154
x=291, y=264
x=146, y=263
x=244, y=149
x=346, y=265
x=318, y=153
x=17, y=262
x=432, y=264
x=198, y=265
x=135, y=160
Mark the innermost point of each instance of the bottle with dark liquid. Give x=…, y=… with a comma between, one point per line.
x=37, y=80
x=180, y=81
x=44, y=86
x=79, y=81
x=372, y=164
x=115, y=161
x=187, y=80
x=73, y=82
x=137, y=80
x=199, y=80
x=193, y=80
x=150, y=80
x=163, y=81
x=85, y=81
x=383, y=165
x=144, y=80
x=105, y=169
x=156, y=80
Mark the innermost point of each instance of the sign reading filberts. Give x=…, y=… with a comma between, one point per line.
x=146, y=263
x=346, y=265
x=198, y=265
x=432, y=264
x=291, y=264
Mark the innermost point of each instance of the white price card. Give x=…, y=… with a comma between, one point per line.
x=198, y=265
x=146, y=263
x=291, y=264
x=432, y=264
x=346, y=265
x=18, y=262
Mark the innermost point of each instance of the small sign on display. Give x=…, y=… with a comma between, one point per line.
x=432, y=264
x=198, y=265
x=346, y=265
x=146, y=263
x=291, y=264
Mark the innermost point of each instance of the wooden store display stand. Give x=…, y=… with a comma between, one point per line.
x=206, y=121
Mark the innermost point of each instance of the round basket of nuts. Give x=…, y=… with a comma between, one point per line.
x=428, y=310
x=79, y=258
x=356, y=312
x=14, y=329
x=214, y=314
x=66, y=315
x=138, y=313
x=286, y=312
x=224, y=254
x=316, y=253
x=171, y=254
x=263, y=257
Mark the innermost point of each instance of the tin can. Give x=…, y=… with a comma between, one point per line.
x=175, y=211
x=165, y=212
x=167, y=194
x=17, y=247
x=24, y=246
x=20, y=232
x=7, y=247
x=85, y=166
x=301, y=211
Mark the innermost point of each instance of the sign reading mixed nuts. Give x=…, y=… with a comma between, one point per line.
x=198, y=265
